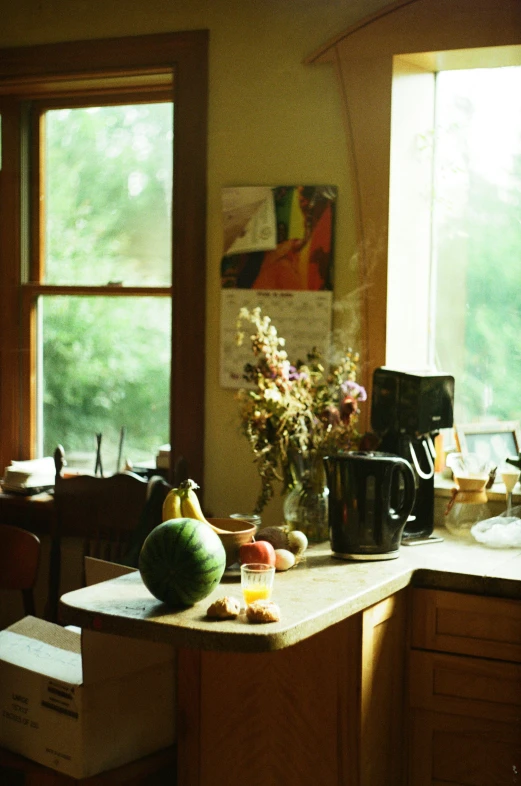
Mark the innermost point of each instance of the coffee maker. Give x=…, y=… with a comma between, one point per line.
x=408, y=409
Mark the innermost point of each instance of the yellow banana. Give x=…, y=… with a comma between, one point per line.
x=190, y=505
x=172, y=506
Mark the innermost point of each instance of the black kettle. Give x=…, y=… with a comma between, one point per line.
x=371, y=495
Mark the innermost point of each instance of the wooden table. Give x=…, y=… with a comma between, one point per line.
x=35, y=512
x=307, y=699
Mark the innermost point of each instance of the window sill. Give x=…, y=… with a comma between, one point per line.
x=443, y=489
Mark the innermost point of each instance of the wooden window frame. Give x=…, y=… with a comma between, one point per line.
x=173, y=65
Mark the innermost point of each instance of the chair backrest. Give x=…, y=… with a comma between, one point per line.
x=19, y=563
x=102, y=513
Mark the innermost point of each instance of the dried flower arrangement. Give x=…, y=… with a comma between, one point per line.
x=306, y=407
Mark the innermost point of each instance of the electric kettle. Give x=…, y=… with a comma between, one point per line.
x=371, y=495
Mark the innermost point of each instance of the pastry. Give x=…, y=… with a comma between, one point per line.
x=225, y=608
x=263, y=611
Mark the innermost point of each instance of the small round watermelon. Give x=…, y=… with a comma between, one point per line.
x=182, y=561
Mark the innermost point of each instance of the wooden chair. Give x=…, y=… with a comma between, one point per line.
x=19, y=563
x=104, y=514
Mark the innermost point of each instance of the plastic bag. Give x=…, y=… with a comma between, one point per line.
x=500, y=532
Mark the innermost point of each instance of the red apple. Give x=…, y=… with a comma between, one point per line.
x=258, y=551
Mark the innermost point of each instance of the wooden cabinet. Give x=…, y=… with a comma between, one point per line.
x=327, y=710
x=464, y=690
x=382, y=669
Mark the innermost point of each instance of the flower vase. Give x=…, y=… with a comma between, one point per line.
x=306, y=504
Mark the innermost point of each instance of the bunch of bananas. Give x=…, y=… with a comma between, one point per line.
x=183, y=503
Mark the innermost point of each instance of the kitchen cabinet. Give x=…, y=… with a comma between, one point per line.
x=319, y=697
x=464, y=690
x=322, y=711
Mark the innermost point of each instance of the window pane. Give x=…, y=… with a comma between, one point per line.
x=108, y=194
x=477, y=239
x=106, y=364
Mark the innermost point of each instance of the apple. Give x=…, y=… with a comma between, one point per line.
x=258, y=551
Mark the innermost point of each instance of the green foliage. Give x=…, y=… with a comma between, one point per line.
x=493, y=282
x=106, y=361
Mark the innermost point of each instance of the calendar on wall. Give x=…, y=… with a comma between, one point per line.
x=278, y=255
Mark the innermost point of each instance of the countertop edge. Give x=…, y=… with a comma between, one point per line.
x=276, y=636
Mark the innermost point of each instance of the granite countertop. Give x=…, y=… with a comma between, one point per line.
x=316, y=594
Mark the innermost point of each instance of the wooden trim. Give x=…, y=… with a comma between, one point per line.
x=327, y=48
x=366, y=88
x=100, y=57
x=36, y=196
x=100, y=96
x=189, y=262
x=9, y=283
x=409, y=26
x=94, y=290
x=28, y=395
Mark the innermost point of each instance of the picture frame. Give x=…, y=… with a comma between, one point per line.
x=493, y=441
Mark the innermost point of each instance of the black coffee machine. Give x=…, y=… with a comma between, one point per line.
x=408, y=409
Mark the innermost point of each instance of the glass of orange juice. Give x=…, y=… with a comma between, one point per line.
x=256, y=581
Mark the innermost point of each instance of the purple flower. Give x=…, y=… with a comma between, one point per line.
x=294, y=374
x=354, y=390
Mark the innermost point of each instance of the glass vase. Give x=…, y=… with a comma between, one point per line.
x=306, y=504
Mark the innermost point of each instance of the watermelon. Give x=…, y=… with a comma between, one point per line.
x=182, y=561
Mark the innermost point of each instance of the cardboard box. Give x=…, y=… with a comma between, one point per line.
x=83, y=702
x=97, y=570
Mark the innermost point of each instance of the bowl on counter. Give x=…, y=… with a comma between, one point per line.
x=238, y=532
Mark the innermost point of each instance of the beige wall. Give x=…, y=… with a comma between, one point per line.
x=272, y=120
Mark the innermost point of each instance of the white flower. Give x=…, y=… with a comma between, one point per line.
x=272, y=394
x=285, y=367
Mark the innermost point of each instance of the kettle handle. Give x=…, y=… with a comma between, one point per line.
x=404, y=468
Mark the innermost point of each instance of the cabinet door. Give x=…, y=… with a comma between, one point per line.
x=465, y=686
x=467, y=624
x=265, y=719
x=382, y=750
x=462, y=751
x=325, y=712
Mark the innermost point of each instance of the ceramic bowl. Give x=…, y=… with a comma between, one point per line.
x=237, y=533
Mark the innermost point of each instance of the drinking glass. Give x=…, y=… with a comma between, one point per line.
x=256, y=581
x=509, y=476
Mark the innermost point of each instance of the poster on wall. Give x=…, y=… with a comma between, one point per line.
x=277, y=254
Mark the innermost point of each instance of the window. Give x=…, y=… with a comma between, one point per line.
x=477, y=239
x=454, y=232
x=102, y=248
x=102, y=356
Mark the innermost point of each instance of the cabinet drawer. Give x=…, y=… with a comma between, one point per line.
x=472, y=687
x=466, y=624
x=450, y=749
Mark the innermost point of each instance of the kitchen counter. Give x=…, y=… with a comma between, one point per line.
x=320, y=592
x=306, y=698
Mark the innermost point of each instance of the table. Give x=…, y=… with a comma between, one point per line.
x=35, y=512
